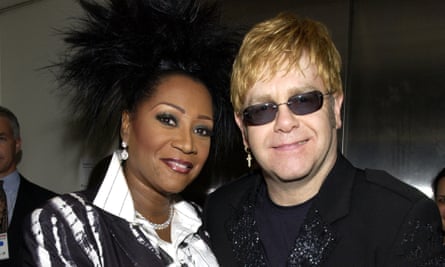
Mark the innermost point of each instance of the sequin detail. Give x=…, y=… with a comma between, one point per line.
x=419, y=241
x=245, y=238
x=313, y=243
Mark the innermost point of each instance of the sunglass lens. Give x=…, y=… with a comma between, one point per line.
x=259, y=114
x=306, y=103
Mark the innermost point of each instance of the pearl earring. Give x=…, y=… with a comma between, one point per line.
x=124, y=152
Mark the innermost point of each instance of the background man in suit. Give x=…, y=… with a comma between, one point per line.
x=22, y=196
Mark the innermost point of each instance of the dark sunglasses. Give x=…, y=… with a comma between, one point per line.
x=300, y=104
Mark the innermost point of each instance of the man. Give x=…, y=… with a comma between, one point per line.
x=438, y=186
x=22, y=196
x=307, y=205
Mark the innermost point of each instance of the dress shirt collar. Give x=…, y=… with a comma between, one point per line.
x=114, y=195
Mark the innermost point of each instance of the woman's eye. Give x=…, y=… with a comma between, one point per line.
x=203, y=131
x=167, y=119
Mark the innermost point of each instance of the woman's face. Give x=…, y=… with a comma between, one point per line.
x=440, y=199
x=168, y=136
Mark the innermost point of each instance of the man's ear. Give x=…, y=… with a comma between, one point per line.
x=338, y=101
x=18, y=145
x=242, y=127
x=18, y=150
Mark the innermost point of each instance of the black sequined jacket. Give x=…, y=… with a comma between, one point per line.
x=359, y=218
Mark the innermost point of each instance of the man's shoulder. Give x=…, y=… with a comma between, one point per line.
x=388, y=184
x=375, y=184
x=230, y=193
x=34, y=190
x=238, y=185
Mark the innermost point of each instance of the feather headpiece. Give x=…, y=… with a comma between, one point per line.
x=120, y=47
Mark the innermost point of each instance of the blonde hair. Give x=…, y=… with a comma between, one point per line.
x=281, y=41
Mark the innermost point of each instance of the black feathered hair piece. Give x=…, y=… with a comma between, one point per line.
x=119, y=49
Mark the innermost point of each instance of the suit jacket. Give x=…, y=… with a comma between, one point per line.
x=358, y=218
x=29, y=197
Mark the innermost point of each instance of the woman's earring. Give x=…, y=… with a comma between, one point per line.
x=124, y=152
x=249, y=156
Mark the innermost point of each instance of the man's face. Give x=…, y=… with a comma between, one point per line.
x=440, y=200
x=9, y=147
x=294, y=147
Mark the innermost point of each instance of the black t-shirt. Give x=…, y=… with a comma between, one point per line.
x=278, y=227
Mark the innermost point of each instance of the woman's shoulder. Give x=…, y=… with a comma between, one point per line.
x=74, y=198
x=63, y=206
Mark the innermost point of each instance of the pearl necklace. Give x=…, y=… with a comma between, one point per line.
x=162, y=226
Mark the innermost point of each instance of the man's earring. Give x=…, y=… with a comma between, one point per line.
x=124, y=152
x=249, y=156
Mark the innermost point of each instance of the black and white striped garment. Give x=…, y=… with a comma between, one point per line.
x=70, y=231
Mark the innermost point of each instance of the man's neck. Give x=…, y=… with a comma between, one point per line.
x=7, y=172
x=290, y=193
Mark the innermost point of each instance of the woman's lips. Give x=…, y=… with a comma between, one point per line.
x=179, y=165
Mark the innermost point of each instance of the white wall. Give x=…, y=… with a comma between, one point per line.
x=28, y=42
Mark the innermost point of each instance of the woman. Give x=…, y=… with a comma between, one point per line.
x=156, y=73
x=439, y=195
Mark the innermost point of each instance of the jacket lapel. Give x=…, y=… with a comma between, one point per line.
x=314, y=242
x=242, y=230
x=317, y=237
x=129, y=251
x=138, y=249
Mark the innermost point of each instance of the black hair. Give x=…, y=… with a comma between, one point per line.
x=436, y=180
x=120, y=49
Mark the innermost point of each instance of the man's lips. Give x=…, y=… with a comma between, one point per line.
x=289, y=146
x=178, y=165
